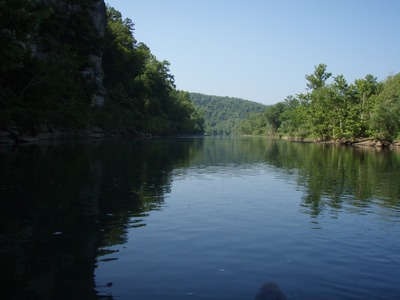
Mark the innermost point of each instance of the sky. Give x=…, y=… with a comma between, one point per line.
x=261, y=50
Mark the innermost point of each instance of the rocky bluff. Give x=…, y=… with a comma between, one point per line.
x=49, y=39
x=96, y=11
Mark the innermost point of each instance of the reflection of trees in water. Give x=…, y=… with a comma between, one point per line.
x=48, y=231
x=136, y=178
x=219, y=151
x=60, y=205
x=333, y=176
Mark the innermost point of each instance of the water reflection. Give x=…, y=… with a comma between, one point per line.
x=48, y=231
x=331, y=176
x=63, y=207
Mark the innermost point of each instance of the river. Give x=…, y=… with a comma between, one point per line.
x=198, y=218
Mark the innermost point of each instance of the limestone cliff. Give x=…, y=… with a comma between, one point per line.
x=51, y=67
x=100, y=22
x=96, y=11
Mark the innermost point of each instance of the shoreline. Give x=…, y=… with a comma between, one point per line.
x=364, y=142
x=11, y=135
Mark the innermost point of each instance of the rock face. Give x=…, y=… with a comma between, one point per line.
x=95, y=72
x=67, y=17
x=99, y=18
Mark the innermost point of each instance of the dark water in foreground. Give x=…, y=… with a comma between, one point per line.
x=198, y=219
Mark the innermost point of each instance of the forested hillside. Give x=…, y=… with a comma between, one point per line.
x=334, y=110
x=67, y=65
x=222, y=115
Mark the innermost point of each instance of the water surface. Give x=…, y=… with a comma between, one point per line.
x=210, y=218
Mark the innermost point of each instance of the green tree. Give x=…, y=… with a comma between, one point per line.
x=317, y=103
x=142, y=95
x=318, y=78
x=386, y=113
x=41, y=78
x=366, y=89
x=223, y=115
x=18, y=24
x=273, y=114
x=184, y=116
x=342, y=101
x=294, y=119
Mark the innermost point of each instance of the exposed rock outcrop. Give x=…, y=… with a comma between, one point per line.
x=94, y=73
x=100, y=22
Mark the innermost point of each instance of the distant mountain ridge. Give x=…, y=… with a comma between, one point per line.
x=222, y=115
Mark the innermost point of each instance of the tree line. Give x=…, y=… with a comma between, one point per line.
x=223, y=114
x=334, y=110
x=47, y=53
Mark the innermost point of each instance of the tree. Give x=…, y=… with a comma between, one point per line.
x=294, y=118
x=386, y=113
x=41, y=79
x=223, y=115
x=184, y=116
x=142, y=94
x=121, y=60
x=341, y=102
x=318, y=78
x=366, y=89
x=274, y=113
x=317, y=103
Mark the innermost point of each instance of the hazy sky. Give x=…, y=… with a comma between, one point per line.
x=261, y=50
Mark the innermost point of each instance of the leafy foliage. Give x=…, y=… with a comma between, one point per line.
x=42, y=79
x=222, y=115
x=386, y=112
x=142, y=94
x=334, y=111
x=46, y=72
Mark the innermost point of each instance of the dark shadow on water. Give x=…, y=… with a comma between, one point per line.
x=270, y=291
x=63, y=205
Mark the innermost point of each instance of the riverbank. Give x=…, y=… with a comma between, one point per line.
x=14, y=135
x=365, y=142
